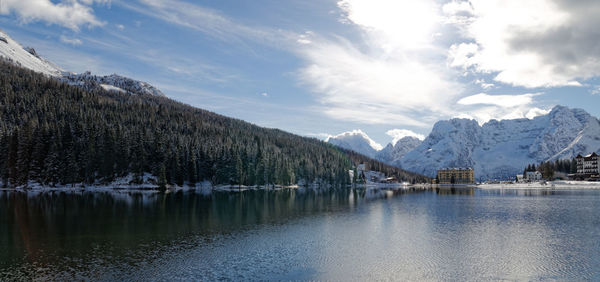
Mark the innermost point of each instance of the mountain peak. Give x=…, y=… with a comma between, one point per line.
x=13, y=52
x=357, y=133
x=392, y=153
x=356, y=140
x=500, y=149
x=29, y=58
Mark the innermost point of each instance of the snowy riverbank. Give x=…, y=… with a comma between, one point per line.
x=125, y=184
x=551, y=185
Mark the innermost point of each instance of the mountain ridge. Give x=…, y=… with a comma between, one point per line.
x=497, y=149
x=14, y=53
x=501, y=149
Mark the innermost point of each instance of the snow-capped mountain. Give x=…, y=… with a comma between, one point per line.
x=357, y=141
x=392, y=153
x=13, y=52
x=360, y=142
x=27, y=57
x=501, y=149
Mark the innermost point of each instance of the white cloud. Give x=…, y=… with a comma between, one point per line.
x=535, y=43
x=265, y=94
x=484, y=107
x=69, y=13
x=208, y=21
x=498, y=100
x=394, y=23
x=398, y=134
x=392, y=76
x=534, y=112
x=483, y=84
x=72, y=41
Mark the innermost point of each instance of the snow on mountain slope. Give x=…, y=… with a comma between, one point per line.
x=13, y=52
x=392, y=154
x=501, y=149
x=116, y=83
x=109, y=87
x=357, y=141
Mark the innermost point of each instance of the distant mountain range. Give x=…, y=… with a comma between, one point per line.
x=11, y=51
x=360, y=142
x=496, y=149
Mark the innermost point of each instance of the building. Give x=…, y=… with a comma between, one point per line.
x=456, y=176
x=520, y=178
x=588, y=164
x=533, y=176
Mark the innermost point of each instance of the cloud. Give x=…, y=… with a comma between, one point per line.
x=71, y=14
x=208, y=21
x=498, y=100
x=483, y=84
x=398, y=134
x=484, y=107
x=536, y=43
x=120, y=26
x=397, y=23
x=391, y=76
x=265, y=94
x=72, y=41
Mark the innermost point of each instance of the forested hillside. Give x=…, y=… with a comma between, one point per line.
x=52, y=133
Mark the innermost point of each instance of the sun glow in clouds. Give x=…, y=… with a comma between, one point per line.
x=394, y=23
x=392, y=72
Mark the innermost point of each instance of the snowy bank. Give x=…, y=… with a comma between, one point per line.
x=556, y=185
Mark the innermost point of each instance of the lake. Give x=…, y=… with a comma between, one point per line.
x=301, y=234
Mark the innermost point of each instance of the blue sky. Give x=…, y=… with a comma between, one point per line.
x=390, y=68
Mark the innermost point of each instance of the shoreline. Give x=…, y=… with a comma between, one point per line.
x=204, y=187
x=208, y=187
x=550, y=185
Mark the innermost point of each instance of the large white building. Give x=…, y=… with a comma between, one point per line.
x=588, y=164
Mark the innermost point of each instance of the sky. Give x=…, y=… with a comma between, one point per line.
x=390, y=68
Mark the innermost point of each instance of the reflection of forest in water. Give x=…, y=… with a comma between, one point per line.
x=39, y=227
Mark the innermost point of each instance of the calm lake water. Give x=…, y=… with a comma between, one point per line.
x=444, y=234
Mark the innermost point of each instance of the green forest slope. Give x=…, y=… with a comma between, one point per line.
x=56, y=134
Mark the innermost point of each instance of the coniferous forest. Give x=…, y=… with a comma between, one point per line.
x=53, y=133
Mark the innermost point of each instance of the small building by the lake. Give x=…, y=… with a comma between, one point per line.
x=520, y=178
x=456, y=176
x=533, y=176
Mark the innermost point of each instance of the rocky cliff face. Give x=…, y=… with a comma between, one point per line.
x=501, y=149
x=393, y=153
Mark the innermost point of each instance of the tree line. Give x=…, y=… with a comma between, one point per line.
x=53, y=133
x=550, y=168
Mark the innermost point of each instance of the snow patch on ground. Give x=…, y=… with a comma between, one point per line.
x=109, y=87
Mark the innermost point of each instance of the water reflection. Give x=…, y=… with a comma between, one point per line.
x=347, y=234
x=455, y=190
